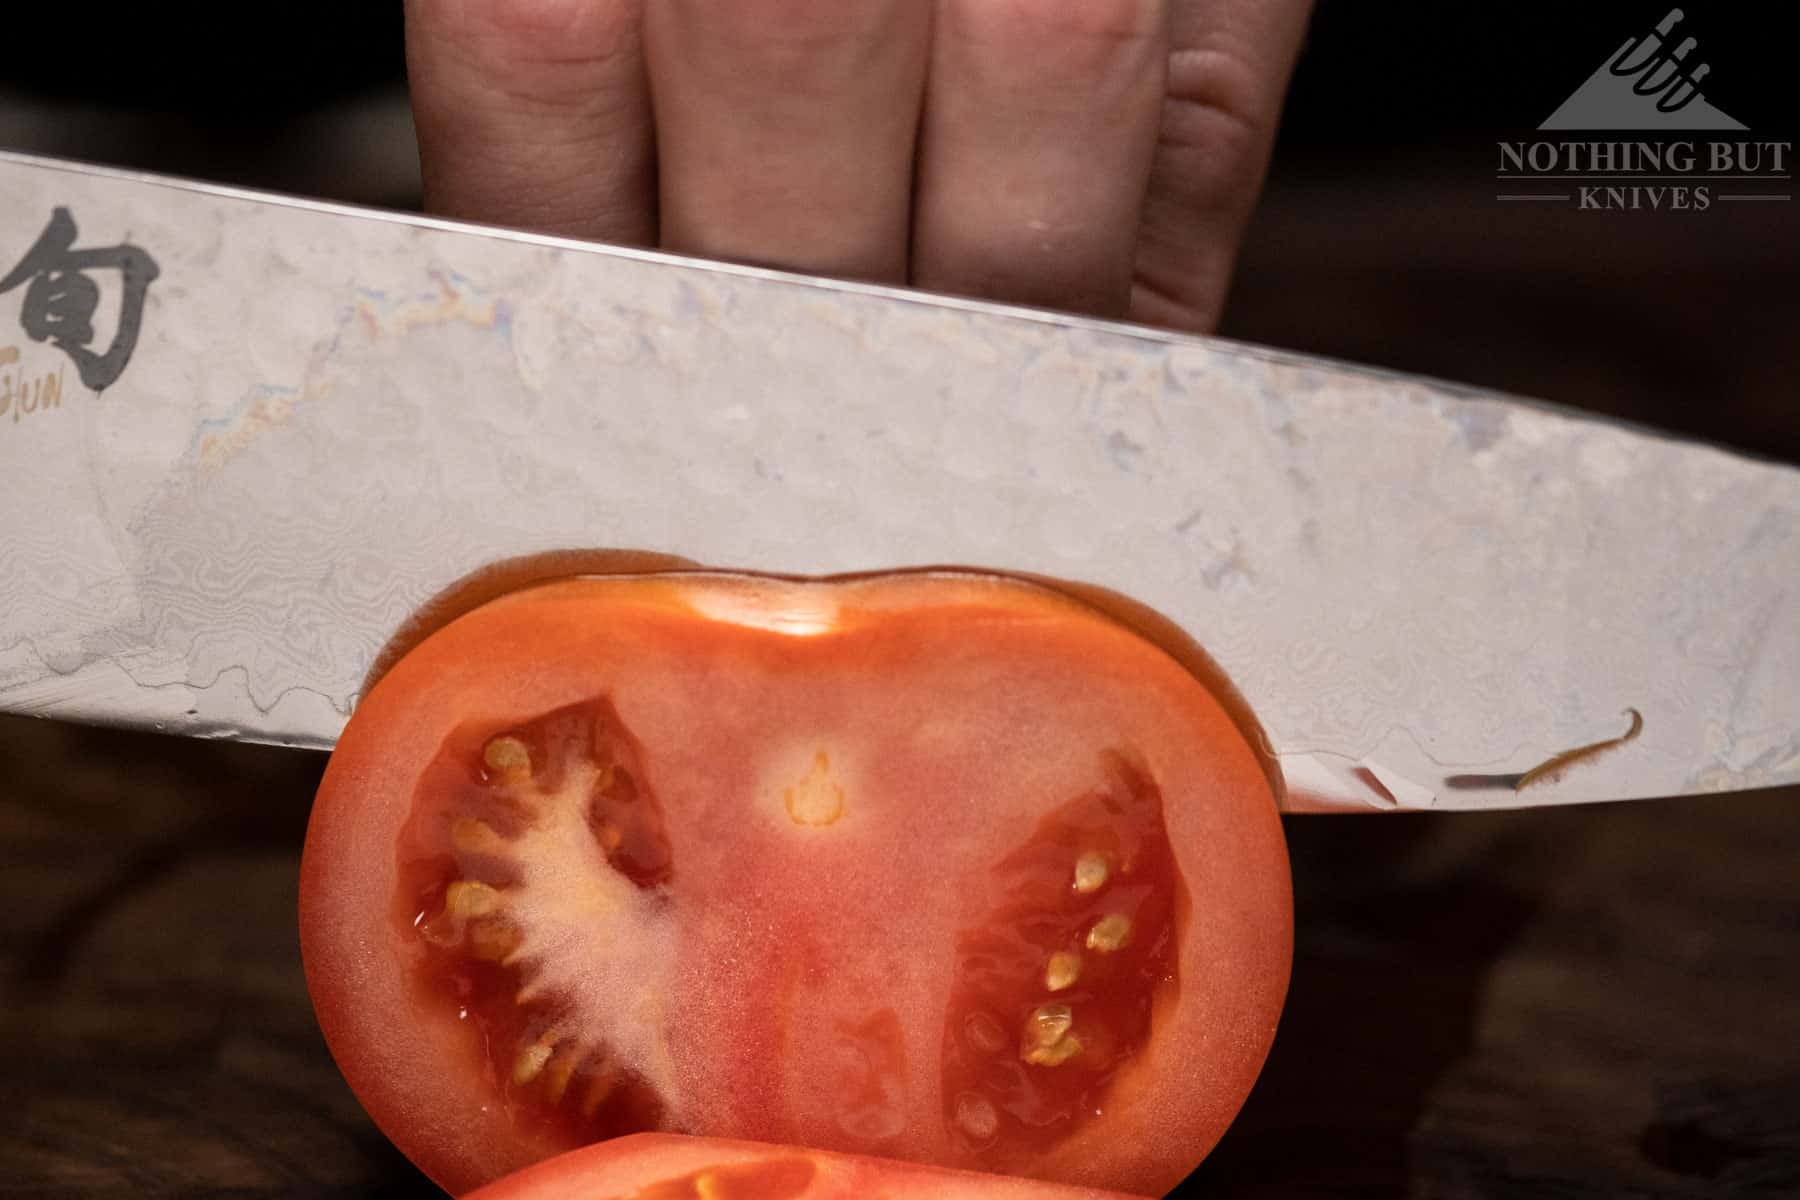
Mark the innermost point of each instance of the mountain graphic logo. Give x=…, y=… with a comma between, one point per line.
x=1653, y=82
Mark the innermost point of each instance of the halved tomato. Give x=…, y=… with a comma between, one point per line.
x=949, y=868
x=662, y=1166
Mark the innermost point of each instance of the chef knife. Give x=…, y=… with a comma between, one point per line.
x=244, y=437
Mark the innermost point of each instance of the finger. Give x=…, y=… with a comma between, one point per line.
x=785, y=129
x=1229, y=65
x=534, y=113
x=1040, y=119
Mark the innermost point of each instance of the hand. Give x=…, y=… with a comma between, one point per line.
x=1100, y=156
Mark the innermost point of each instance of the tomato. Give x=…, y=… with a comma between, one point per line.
x=951, y=868
x=661, y=1166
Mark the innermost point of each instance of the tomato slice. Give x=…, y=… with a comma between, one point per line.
x=948, y=868
x=652, y=1166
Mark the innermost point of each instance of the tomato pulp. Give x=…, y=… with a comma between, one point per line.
x=942, y=867
x=650, y=1166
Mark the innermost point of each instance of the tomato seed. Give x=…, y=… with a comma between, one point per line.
x=507, y=756
x=985, y=1033
x=467, y=899
x=471, y=835
x=493, y=941
x=531, y=1061
x=1055, y=1054
x=1061, y=972
x=1091, y=872
x=559, y=1070
x=1110, y=933
x=976, y=1117
x=1048, y=1024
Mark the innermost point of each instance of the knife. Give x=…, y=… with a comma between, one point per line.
x=244, y=437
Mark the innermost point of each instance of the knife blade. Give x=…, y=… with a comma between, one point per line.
x=245, y=437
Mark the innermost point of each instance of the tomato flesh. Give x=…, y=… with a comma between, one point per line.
x=771, y=1179
x=1052, y=988
x=951, y=869
x=664, y=1167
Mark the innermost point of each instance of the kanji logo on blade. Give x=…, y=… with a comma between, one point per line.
x=61, y=299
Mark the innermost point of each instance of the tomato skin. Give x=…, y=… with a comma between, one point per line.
x=665, y=1166
x=412, y=1062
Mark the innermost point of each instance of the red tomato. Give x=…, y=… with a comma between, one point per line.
x=661, y=1166
x=941, y=867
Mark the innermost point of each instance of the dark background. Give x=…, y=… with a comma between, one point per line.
x=1590, y=1002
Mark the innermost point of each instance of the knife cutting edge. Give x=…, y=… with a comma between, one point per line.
x=245, y=437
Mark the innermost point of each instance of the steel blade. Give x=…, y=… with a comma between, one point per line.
x=328, y=415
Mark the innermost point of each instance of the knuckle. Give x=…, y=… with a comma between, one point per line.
x=1214, y=119
x=1220, y=99
x=1218, y=124
x=1095, y=25
x=798, y=27
x=539, y=34
x=548, y=56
